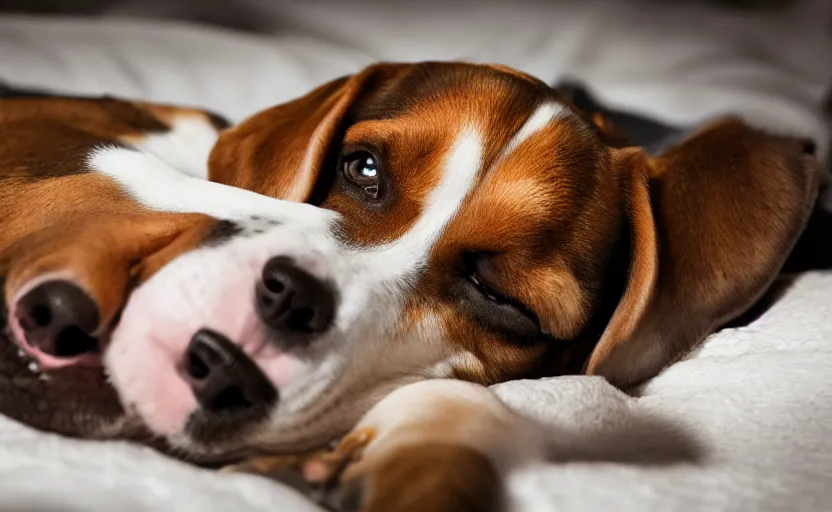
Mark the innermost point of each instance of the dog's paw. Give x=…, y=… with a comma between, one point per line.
x=433, y=445
x=418, y=477
x=331, y=474
x=413, y=477
x=316, y=474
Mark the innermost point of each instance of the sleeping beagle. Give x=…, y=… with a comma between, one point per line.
x=410, y=222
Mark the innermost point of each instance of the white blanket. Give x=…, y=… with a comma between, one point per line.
x=754, y=405
x=678, y=61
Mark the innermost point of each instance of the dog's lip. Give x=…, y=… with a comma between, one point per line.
x=72, y=400
x=75, y=400
x=16, y=333
x=48, y=361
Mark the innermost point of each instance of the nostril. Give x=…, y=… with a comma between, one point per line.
x=274, y=285
x=277, y=275
x=301, y=320
x=41, y=316
x=229, y=399
x=72, y=341
x=197, y=368
x=809, y=146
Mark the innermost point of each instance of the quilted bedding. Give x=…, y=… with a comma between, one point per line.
x=752, y=408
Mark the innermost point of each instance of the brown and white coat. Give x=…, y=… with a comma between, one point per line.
x=468, y=221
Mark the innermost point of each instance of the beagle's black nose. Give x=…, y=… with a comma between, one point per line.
x=293, y=302
x=57, y=318
x=224, y=380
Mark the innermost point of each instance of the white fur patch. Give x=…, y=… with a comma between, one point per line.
x=185, y=147
x=545, y=114
x=409, y=253
x=385, y=270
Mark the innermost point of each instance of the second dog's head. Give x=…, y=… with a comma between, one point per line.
x=468, y=223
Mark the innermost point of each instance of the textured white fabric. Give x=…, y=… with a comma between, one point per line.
x=675, y=62
x=755, y=403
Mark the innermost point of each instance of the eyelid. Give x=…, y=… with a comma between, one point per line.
x=474, y=273
x=477, y=267
x=351, y=148
x=475, y=277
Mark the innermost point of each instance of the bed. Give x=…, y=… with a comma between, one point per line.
x=744, y=423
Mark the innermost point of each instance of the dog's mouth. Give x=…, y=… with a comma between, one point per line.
x=73, y=400
x=203, y=382
x=59, y=386
x=56, y=374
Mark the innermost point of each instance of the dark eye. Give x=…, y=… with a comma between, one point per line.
x=486, y=290
x=472, y=263
x=474, y=275
x=362, y=170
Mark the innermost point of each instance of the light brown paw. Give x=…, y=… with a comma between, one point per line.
x=420, y=477
x=317, y=474
x=326, y=466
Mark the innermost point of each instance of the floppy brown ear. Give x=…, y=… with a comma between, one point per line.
x=712, y=221
x=280, y=151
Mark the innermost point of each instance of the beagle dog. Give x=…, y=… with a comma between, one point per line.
x=259, y=288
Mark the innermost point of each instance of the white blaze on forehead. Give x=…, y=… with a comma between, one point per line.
x=542, y=116
x=409, y=253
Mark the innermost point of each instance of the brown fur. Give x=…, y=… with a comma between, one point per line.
x=57, y=216
x=568, y=221
x=436, y=477
x=626, y=261
x=729, y=204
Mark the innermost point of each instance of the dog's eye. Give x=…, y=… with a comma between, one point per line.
x=477, y=281
x=473, y=273
x=362, y=170
x=475, y=276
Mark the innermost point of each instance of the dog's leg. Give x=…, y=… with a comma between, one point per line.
x=439, y=445
x=181, y=137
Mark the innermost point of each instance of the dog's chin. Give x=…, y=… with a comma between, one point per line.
x=75, y=400
x=210, y=438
